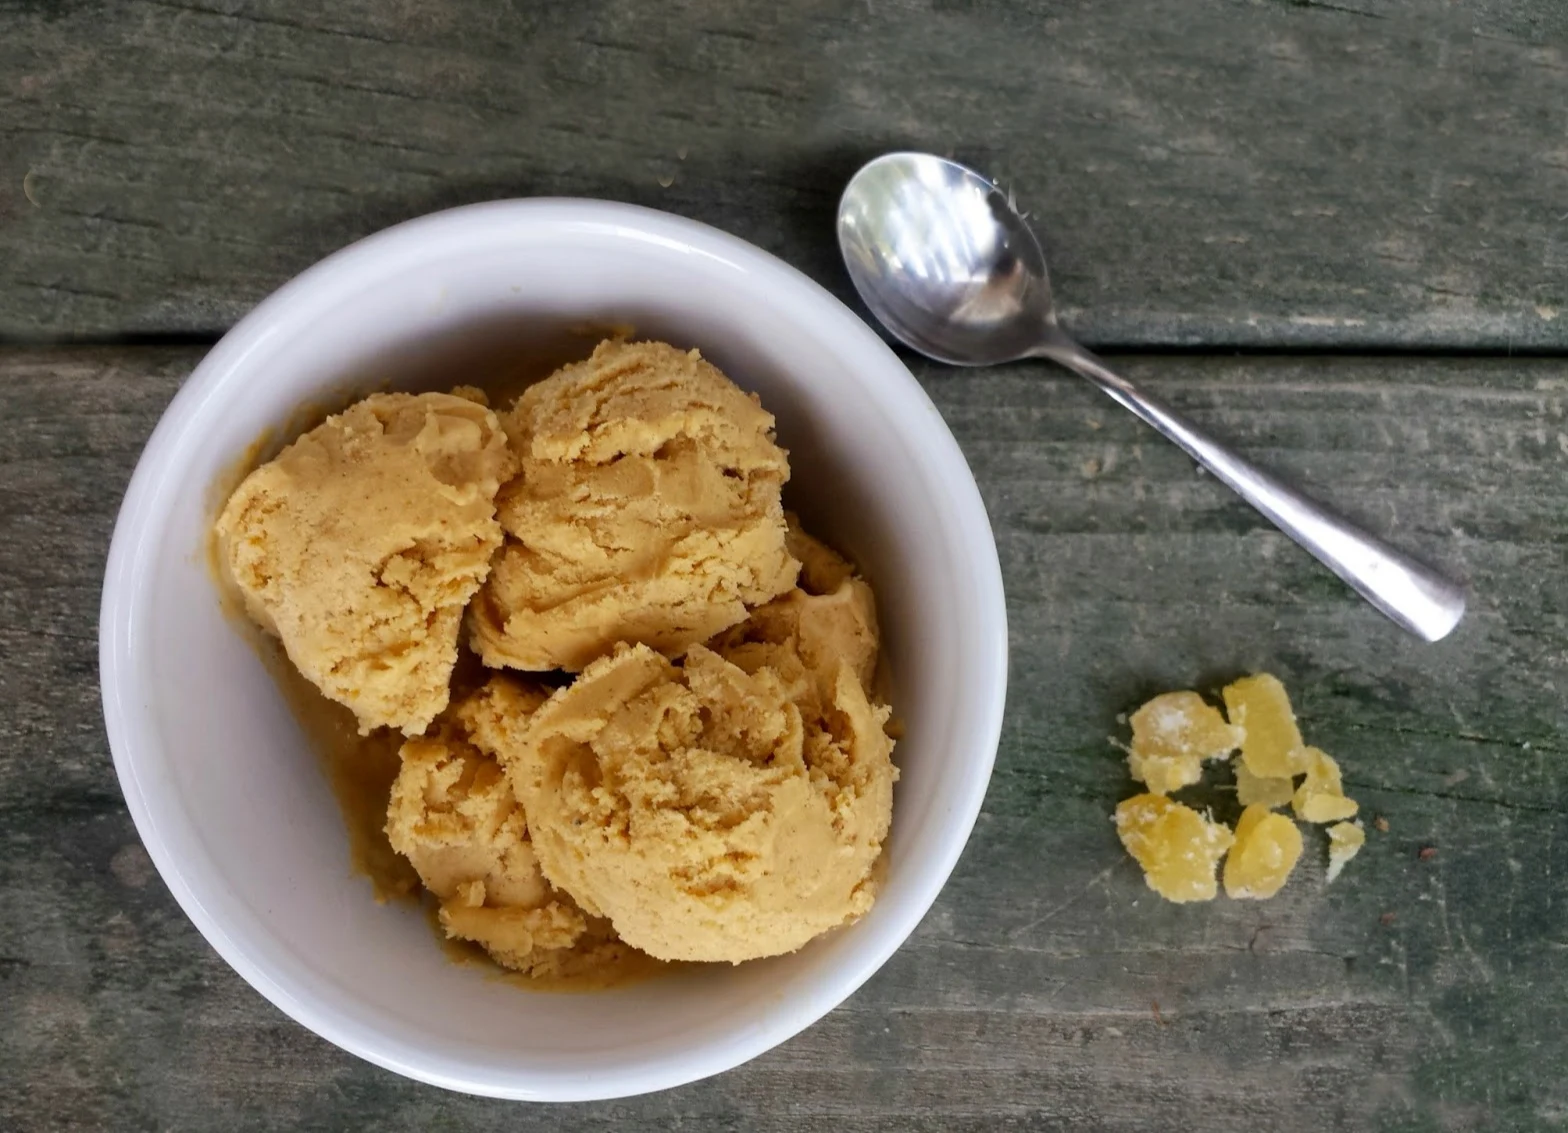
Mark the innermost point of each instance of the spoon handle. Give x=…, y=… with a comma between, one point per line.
x=1415, y=597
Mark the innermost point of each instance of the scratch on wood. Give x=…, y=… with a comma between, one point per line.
x=1097, y=879
x=1327, y=7
x=242, y=16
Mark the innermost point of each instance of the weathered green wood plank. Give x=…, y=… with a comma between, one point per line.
x=1026, y=999
x=1278, y=172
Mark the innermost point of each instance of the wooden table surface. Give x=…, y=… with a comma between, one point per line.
x=1336, y=233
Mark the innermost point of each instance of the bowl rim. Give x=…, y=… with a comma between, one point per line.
x=124, y=589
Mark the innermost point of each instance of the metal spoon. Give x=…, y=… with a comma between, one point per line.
x=945, y=262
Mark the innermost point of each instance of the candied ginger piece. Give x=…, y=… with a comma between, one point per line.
x=1177, y=847
x=1321, y=796
x=1163, y=774
x=1260, y=706
x=1182, y=723
x=1345, y=840
x=1268, y=845
x=1265, y=790
x=1171, y=737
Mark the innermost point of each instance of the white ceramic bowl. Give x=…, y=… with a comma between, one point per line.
x=231, y=801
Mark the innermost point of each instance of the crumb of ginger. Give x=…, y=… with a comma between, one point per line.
x=1345, y=840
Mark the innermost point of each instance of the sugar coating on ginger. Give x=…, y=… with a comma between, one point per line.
x=700, y=810
x=1171, y=737
x=648, y=511
x=454, y=815
x=359, y=545
x=1177, y=847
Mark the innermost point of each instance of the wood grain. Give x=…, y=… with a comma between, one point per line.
x=1215, y=172
x=1411, y=995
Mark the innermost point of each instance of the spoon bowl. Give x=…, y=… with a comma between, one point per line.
x=943, y=261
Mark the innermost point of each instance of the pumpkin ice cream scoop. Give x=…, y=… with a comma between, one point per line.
x=648, y=511
x=454, y=816
x=359, y=545
x=804, y=635
x=699, y=810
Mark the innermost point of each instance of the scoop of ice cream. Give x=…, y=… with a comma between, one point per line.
x=830, y=617
x=360, y=544
x=454, y=816
x=822, y=568
x=647, y=511
x=698, y=810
